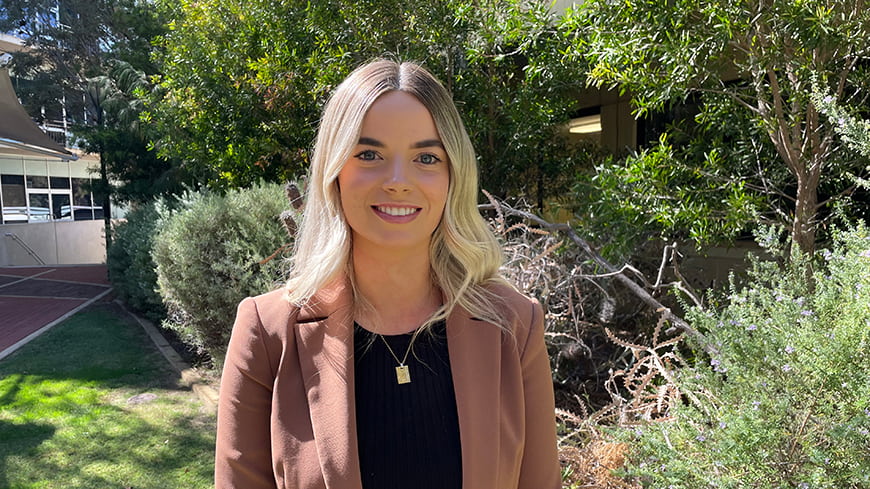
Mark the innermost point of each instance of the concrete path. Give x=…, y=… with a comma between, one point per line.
x=33, y=299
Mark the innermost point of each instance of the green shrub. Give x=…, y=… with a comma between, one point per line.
x=785, y=403
x=131, y=269
x=208, y=256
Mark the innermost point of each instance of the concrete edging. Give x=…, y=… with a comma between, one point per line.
x=189, y=377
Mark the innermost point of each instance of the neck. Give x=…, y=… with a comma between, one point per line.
x=399, y=288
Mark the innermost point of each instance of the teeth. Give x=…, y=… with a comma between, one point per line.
x=397, y=211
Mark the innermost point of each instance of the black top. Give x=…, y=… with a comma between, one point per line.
x=408, y=434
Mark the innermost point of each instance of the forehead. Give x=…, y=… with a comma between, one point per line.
x=401, y=115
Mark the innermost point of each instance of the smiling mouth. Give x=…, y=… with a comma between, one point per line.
x=396, y=211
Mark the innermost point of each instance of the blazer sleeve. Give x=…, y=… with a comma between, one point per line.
x=540, y=466
x=243, y=458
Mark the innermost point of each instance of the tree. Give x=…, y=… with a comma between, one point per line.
x=122, y=140
x=64, y=49
x=244, y=82
x=756, y=56
x=82, y=56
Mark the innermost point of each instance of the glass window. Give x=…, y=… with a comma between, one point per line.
x=83, y=213
x=59, y=182
x=60, y=207
x=34, y=181
x=14, y=198
x=39, y=207
x=98, y=205
x=81, y=190
x=82, y=204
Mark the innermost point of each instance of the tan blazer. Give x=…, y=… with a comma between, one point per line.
x=286, y=416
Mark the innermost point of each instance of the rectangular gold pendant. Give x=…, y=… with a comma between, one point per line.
x=403, y=376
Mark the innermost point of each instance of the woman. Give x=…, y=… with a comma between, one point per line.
x=396, y=356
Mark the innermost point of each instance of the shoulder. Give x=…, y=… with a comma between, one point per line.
x=275, y=298
x=524, y=314
x=521, y=308
x=274, y=309
x=269, y=310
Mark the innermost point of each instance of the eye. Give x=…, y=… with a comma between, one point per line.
x=367, y=155
x=428, y=159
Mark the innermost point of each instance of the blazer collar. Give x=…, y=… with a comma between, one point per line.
x=324, y=330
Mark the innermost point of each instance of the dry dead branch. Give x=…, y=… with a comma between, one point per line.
x=546, y=230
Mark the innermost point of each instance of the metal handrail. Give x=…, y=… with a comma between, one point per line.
x=28, y=249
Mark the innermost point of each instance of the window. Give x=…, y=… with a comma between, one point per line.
x=590, y=124
x=36, y=181
x=83, y=206
x=39, y=209
x=59, y=182
x=60, y=208
x=40, y=198
x=14, y=198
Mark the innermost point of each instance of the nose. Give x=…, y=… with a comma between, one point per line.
x=397, y=179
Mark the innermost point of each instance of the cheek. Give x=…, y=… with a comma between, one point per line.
x=443, y=187
x=438, y=195
x=347, y=191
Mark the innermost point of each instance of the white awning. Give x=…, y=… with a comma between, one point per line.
x=18, y=132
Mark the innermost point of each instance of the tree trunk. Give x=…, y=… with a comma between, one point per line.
x=804, y=226
x=107, y=205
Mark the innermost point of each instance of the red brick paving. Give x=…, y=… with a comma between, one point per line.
x=25, y=307
x=8, y=280
x=88, y=274
x=37, y=287
x=19, y=317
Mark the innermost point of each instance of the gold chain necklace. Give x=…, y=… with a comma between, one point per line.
x=403, y=375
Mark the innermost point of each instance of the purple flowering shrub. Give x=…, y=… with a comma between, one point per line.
x=784, y=401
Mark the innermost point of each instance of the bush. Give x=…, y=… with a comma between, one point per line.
x=208, y=255
x=784, y=402
x=131, y=268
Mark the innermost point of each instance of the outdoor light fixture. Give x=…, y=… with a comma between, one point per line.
x=589, y=124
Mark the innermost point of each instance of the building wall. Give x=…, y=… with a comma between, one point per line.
x=560, y=6
x=56, y=243
x=48, y=210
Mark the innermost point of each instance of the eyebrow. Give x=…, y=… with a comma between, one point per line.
x=426, y=143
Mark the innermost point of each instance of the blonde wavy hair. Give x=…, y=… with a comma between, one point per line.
x=464, y=254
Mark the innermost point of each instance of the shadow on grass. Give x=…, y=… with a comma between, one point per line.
x=113, y=449
x=13, y=385
x=65, y=420
x=24, y=438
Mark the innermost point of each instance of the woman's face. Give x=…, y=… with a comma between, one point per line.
x=394, y=185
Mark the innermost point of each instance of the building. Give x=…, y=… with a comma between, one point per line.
x=603, y=116
x=48, y=214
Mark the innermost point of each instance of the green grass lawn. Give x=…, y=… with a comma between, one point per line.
x=65, y=419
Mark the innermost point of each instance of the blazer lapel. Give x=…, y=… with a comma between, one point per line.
x=325, y=345
x=473, y=346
